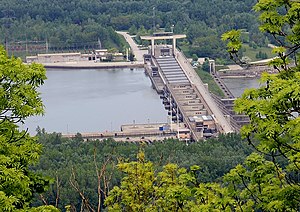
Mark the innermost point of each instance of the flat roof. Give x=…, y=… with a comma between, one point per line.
x=201, y=118
x=162, y=37
x=31, y=57
x=59, y=54
x=101, y=50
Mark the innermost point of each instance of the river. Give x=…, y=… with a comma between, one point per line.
x=238, y=85
x=87, y=100
x=96, y=100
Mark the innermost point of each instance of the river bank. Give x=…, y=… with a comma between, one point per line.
x=93, y=65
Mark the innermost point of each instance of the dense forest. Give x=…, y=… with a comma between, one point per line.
x=169, y=175
x=72, y=161
x=80, y=24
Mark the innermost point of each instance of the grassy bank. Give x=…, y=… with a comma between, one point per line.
x=212, y=86
x=251, y=52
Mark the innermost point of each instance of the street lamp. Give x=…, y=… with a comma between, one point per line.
x=172, y=28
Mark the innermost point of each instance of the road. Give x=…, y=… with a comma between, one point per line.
x=194, y=78
x=139, y=54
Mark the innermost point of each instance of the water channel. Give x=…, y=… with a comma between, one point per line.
x=84, y=100
x=238, y=85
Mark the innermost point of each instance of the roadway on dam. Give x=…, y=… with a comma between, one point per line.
x=195, y=79
x=186, y=72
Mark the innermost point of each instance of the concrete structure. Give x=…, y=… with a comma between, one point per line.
x=96, y=55
x=87, y=61
x=162, y=36
x=184, y=94
x=139, y=133
x=138, y=53
x=53, y=58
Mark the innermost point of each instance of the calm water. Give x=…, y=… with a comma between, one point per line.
x=97, y=100
x=238, y=85
x=100, y=100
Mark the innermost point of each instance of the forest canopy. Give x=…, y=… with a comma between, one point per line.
x=80, y=24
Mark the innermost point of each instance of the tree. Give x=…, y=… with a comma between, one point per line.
x=18, y=150
x=144, y=190
x=271, y=183
x=194, y=58
x=206, y=65
x=136, y=190
x=62, y=154
x=172, y=189
x=268, y=180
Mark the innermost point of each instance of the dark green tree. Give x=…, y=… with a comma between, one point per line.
x=268, y=180
x=206, y=66
x=19, y=99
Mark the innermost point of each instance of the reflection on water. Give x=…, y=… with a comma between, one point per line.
x=238, y=85
x=97, y=100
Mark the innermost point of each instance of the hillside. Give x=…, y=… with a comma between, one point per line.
x=80, y=24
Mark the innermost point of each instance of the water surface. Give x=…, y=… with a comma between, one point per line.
x=97, y=100
x=238, y=85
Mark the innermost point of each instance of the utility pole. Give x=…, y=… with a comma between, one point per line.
x=99, y=42
x=8, y=16
x=26, y=46
x=153, y=19
x=47, y=46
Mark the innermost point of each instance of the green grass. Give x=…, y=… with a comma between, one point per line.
x=251, y=52
x=219, y=67
x=212, y=86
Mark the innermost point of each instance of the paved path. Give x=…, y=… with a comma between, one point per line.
x=194, y=78
x=139, y=54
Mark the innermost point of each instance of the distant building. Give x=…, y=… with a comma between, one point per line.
x=54, y=58
x=97, y=56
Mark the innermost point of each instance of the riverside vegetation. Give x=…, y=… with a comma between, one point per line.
x=74, y=162
x=168, y=176
x=268, y=179
x=79, y=24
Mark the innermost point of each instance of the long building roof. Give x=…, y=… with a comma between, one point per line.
x=162, y=37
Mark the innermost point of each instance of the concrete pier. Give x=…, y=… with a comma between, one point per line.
x=139, y=132
x=184, y=94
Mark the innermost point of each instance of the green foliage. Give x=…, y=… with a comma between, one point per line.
x=206, y=66
x=195, y=57
x=261, y=55
x=143, y=190
x=260, y=184
x=233, y=37
x=268, y=180
x=61, y=156
x=136, y=187
x=234, y=44
x=18, y=150
x=77, y=25
x=207, y=78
